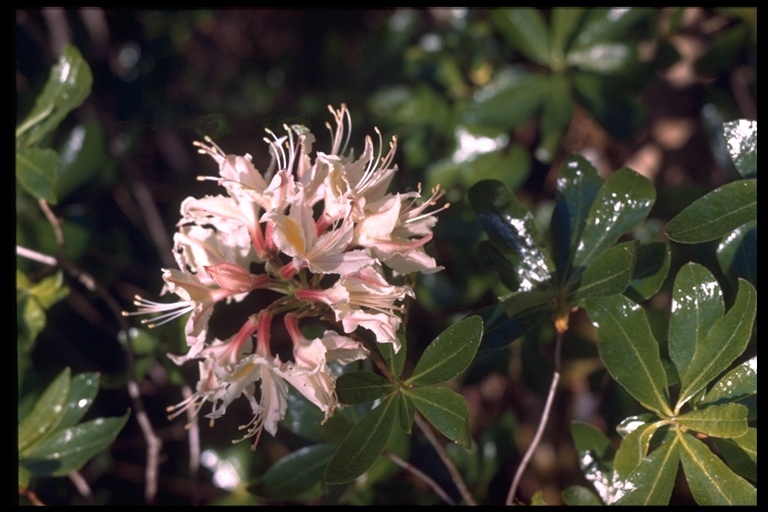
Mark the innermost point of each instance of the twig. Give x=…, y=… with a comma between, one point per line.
x=420, y=475
x=194, y=447
x=82, y=486
x=443, y=454
x=542, y=424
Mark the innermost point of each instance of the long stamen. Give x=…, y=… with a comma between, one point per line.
x=168, y=312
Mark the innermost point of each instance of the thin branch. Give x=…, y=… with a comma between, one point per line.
x=443, y=454
x=542, y=424
x=82, y=486
x=36, y=256
x=194, y=447
x=421, y=476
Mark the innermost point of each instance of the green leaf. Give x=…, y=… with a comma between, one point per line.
x=737, y=253
x=36, y=170
x=605, y=58
x=557, y=111
x=395, y=360
x=740, y=453
x=629, y=350
x=577, y=495
x=526, y=30
x=69, y=449
x=47, y=413
x=651, y=270
x=697, y=306
x=69, y=83
x=741, y=141
x=564, y=23
x=83, y=154
x=616, y=108
x=634, y=448
x=716, y=214
x=533, y=304
x=446, y=410
x=735, y=385
x=610, y=273
x=577, y=188
x=596, y=455
x=406, y=413
x=725, y=420
x=449, y=354
x=295, y=473
x=723, y=344
x=508, y=100
x=601, y=25
x=512, y=229
x=710, y=480
x=361, y=387
x=653, y=480
x=363, y=444
x=83, y=390
x=624, y=200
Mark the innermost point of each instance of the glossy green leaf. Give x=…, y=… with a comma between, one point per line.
x=519, y=304
x=499, y=330
x=629, y=350
x=406, y=413
x=564, y=23
x=716, y=214
x=624, y=200
x=735, y=385
x=362, y=387
x=595, y=454
x=741, y=141
x=577, y=187
x=610, y=273
x=82, y=155
x=295, y=473
x=47, y=413
x=697, y=304
x=526, y=30
x=509, y=99
x=724, y=420
x=556, y=115
x=446, y=410
x=604, y=58
x=450, y=353
x=512, y=229
x=69, y=83
x=69, y=449
x=722, y=345
x=710, y=480
x=651, y=270
x=740, y=453
x=634, y=448
x=632, y=423
x=83, y=390
x=32, y=301
x=363, y=444
x=654, y=479
x=737, y=253
x=577, y=495
x=36, y=170
x=601, y=25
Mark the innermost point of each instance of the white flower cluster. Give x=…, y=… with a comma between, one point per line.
x=323, y=234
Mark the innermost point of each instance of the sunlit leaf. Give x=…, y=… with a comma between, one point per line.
x=697, y=304
x=608, y=24
x=741, y=142
x=624, y=200
x=69, y=449
x=577, y=187
x=363, y=444
x=361, y=387
x=449, y=354
x=526, y=29
x=716, y=214
x=446, y=410
x=512, y=229
x=710, y=480
x=596, y=455
x=83, y=390
x=723, y=344
x=36, y=170
x=69, y=83
x=610, y=273
x=629, y=350
x=725, y=420
x=654, y=479
x=605, y=58
x=634, y=448
x=47, y=413
x=735, y=385
x=295, y=473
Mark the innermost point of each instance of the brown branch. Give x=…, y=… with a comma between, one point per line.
x=421, y=476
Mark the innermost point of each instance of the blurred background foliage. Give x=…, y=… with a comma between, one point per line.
x=471, y=94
